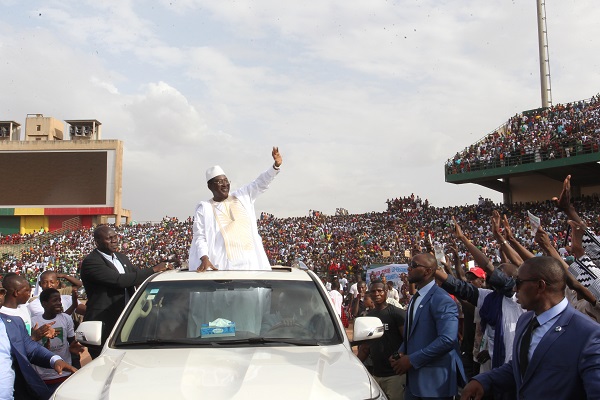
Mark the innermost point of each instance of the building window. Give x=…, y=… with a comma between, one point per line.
x=38, y=128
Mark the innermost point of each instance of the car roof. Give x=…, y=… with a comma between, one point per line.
x=278, y=273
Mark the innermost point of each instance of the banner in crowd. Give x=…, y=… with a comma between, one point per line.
x=391, y=272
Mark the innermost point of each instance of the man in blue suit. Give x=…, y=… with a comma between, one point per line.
x=17, y=352
x=556, y=351
x=429, y=355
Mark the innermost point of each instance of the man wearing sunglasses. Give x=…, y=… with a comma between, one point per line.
x=429, y=355
x=556, y=351
x=225, y=230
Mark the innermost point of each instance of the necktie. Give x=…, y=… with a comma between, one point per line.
x=410, y=319
x=525, y=342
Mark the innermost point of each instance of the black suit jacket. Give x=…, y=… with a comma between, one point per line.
x=106, y=288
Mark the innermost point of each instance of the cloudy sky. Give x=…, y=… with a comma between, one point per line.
x=365, y=99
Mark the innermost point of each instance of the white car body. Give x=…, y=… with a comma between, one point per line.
x=222, y=371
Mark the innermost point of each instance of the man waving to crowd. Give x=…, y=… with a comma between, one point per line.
x=225, y=229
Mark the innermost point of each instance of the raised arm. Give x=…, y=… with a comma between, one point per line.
x=578, y=230
x=458, y=267
x=563, y=202
x=74, y=301
x=541, y=237
x=94, y=273
x=515, y=252
x=480, y=258
x=276, y=157
x=74, y=281
x=446, y=266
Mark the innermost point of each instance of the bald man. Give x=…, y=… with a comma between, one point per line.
x=110, y=280
x=556, y=351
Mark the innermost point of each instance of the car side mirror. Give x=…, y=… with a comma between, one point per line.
x=89, y=332
x=366, y=328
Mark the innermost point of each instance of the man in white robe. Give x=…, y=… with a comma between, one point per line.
x=225, y=229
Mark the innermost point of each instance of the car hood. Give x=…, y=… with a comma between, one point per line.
x=314, y=372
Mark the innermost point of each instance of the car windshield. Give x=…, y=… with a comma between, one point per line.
x=228, y=312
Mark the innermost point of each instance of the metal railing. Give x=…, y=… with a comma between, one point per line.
x=568, y=148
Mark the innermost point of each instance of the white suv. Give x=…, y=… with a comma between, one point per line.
x=227, y=335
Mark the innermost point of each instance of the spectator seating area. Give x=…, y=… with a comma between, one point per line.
x=325, y=243
x=563, y=130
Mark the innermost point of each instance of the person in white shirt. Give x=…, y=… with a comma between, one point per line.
x=18, y=292
x=336, y=297
x=392, y=293
x=49, y=279
x=354, y=287
x=63, y=344
x=343, y=283
x=225, y=229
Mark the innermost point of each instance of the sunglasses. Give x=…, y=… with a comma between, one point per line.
x=519, y=282
x=414, y=265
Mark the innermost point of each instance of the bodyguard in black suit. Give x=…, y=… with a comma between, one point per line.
x=110, y=280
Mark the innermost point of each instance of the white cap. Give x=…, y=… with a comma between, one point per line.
x=214, y=171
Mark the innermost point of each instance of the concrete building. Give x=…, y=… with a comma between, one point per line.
x=51, y=184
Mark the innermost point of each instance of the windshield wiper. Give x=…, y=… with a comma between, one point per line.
x=163, y=342
x=263, y=340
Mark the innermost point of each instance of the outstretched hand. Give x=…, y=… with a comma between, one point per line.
x=496, y=223
x=577, y=232
x=205, y=265
x=457, y=230
x=564, y=201
x=44, y=331
x=542, y=238
x=61, y=365
x=276, y=156
x=507, y=230
x=162, y=266
x=76, y=348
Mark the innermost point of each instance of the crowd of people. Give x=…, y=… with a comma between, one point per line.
x=330, y=245
x=145, y=244
x=498, y=238
x=559, y=131
x=513, y=315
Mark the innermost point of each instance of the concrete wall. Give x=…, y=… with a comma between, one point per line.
x=538, y=188
x=43, y=128
x=541, y=188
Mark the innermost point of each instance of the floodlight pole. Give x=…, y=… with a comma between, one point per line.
x=546, y=86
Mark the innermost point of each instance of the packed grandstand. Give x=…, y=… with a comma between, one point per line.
x=559, y=131
x=326, y=243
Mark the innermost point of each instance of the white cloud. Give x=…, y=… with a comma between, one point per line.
x=365, y=99
x=162, y=118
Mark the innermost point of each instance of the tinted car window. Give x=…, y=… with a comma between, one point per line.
x=184, y=311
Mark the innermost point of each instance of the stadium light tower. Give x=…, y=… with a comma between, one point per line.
x=544, y=54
